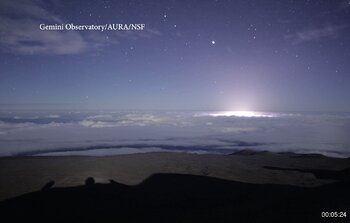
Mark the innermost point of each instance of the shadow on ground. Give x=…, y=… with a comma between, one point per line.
x=179, y=198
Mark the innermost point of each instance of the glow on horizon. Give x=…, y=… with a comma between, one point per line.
x=247, y=114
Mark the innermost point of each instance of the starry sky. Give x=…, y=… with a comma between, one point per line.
x=269, y=55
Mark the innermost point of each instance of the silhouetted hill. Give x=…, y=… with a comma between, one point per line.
x=178, y=198
x=319, y=173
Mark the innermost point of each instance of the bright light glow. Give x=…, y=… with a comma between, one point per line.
x=247, y=114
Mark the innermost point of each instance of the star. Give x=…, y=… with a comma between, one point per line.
x=213, y=42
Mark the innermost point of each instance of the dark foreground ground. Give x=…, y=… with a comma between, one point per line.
x=179, y=197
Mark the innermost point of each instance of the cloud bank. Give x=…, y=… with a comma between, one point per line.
x=110, y=133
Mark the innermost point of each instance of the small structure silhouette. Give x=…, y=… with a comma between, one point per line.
x=89, y=181
x=48, y=185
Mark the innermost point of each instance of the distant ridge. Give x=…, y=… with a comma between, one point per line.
x=249, y=152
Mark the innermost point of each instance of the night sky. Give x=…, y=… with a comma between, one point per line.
x=269, y=55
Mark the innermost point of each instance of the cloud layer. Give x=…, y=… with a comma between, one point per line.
x=107, y=133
